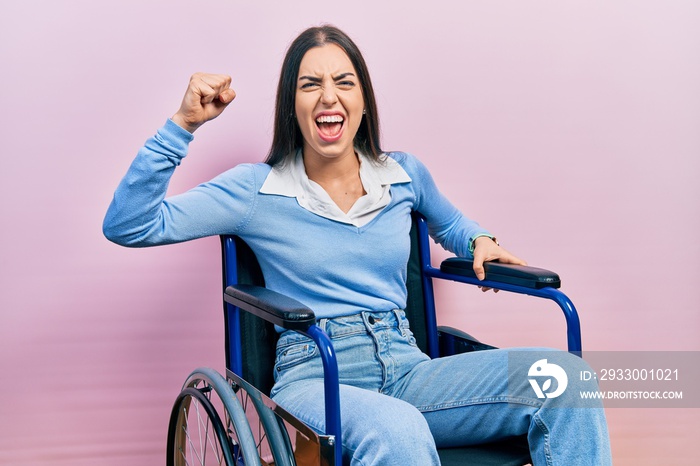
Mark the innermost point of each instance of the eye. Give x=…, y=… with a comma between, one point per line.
x=309, y=85
x=346, y=84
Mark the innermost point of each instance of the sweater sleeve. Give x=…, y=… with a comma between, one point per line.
x=140, y=214
x=449, y=227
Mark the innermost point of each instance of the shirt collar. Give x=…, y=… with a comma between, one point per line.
x=290, y=179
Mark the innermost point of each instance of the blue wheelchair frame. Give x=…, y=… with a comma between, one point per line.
x=290, y=314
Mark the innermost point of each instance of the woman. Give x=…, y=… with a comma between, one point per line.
x=328, y=216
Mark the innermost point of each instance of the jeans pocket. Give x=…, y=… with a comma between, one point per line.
x=294, y=354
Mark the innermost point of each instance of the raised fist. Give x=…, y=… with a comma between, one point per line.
x=206, y=97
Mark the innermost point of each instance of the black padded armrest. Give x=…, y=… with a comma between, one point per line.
x=522, y=275
x=272, y=306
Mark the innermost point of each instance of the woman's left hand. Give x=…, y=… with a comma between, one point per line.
x=485, y=250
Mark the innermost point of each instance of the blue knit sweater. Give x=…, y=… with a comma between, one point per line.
x=334, y=268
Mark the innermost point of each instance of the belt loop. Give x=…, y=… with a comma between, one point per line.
x=322, y=323
x=397, y=314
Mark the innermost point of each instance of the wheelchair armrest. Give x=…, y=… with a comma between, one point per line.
x=521, y=275
x=274, y=307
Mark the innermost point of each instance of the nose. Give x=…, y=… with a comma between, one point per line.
x=328, y=95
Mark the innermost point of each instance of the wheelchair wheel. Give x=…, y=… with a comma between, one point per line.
x=271, y=435
x=199, y=435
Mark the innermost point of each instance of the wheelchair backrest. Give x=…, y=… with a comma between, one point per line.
x=258, y=337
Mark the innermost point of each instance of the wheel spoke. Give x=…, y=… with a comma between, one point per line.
x=210, y=440
x=186, y=429
x=202, y=443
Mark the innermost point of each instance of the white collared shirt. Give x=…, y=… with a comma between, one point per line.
x=290, y=180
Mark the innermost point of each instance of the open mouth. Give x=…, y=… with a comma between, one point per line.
x=330, y=127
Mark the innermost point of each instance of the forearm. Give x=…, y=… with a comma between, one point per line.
x=447, y=225
x=456, y=235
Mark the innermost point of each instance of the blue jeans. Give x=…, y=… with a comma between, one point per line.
x=398, y=405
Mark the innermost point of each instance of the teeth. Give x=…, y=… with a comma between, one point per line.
x=329, y=119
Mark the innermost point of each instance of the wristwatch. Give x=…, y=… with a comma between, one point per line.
x=471, y=241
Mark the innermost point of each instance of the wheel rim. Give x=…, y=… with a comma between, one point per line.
x=197, y=436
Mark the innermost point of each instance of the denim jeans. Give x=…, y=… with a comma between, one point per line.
x=398, y=405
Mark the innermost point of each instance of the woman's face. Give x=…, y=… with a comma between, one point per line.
x=329, y=102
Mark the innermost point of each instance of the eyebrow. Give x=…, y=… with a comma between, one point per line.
x=318, y=80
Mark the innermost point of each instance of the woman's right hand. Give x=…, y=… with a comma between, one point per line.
x=206, y=97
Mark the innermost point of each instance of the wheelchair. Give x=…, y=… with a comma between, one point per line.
x=230, y=419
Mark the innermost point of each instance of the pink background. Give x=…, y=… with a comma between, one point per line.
x=570, y=129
